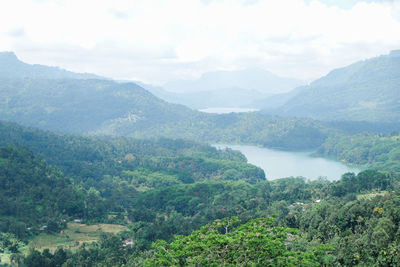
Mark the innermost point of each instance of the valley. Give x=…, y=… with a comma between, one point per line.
x=184, y=187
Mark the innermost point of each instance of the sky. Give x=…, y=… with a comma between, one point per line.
x=156, y=41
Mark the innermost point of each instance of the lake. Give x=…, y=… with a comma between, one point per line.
x=227, y=110
x=278, y=164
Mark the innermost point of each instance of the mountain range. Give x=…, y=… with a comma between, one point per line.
x=224, y=88
x=54, y=99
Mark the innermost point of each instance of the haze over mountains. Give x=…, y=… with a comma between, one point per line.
x=12, y=67
x=55, y=99
x=105, y=107
x=224, y=88
x=58, y=100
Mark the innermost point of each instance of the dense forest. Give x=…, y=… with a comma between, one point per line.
x=185, y=202
x=378, y=151
x=363, y=91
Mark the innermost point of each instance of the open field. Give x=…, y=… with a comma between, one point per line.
x=70, y=238
x=74, y=236
x=371, y=195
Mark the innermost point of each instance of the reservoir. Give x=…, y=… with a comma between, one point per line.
x=279, y=164
x=227, y=110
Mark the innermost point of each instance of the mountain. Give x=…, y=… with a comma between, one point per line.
x=54, y=99
x=254, y=79
x=12, y=67
x=275, y=101
x=81, y=106
x=224, y=88
x=367, y=90
x=224, y=97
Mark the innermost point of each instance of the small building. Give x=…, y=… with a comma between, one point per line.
x=43, y=228
x=78, y=220
x=127, y=243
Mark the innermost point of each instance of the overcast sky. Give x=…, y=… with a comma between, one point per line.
x=157, y=41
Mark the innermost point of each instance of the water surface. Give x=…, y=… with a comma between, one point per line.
x=227, y=110
x=278, y=164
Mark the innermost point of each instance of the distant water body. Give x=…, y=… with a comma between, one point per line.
x=227, y=110
x=279, y=164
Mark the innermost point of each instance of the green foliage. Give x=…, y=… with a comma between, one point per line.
x=161, y=213
x=364, y=91
x=250, y=128
x=34, y=194
x=371, y=150
x=332, y=224
x=363, y=182
x=118, y=168
x=80, y=106
x=362, y=232
x=255, y=243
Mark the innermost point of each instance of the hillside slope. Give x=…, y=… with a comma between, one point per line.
x=364, y=91
x=12, y=67
x=80, y=106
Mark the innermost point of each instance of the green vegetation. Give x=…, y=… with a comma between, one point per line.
x=220, y=243
x=53, y=99
x=250, y=128
x=73, y=236
x=364, y=91
x=315, y=226
x=80, y=106
x=112, y=171
x=371, y=150
x=161, y=201
x=33, y=194
x=156, y=189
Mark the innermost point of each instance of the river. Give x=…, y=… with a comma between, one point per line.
x=278, y=164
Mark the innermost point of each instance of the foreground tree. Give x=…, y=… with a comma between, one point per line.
x=255, y=243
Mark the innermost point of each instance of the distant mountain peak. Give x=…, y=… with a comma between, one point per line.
x=8, y=55
x=13, y=68
x=255, y=78
x=395, y=53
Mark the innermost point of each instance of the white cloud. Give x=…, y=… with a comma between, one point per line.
x=160, y=40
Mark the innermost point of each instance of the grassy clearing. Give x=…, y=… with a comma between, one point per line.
x=74, y=236
x=370, y=195
x=71, y=238
x=5, y=258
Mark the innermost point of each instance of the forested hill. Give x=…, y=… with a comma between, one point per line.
x=368, y=90
x=12, y=67
x=31, y=193
x=80, y=106
x=90, y=160
x=46, y=177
